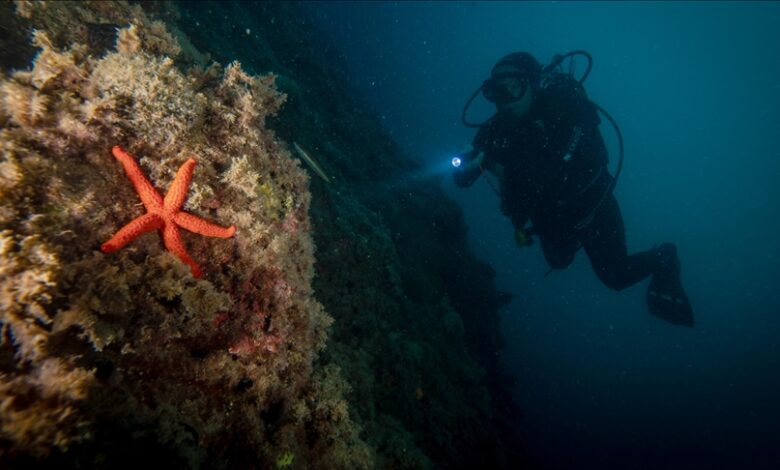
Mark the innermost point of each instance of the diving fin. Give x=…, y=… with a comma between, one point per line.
x=666, y=298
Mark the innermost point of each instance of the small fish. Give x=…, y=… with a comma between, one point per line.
x=311, y=162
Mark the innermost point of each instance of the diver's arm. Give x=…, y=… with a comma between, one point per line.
x=468, y=172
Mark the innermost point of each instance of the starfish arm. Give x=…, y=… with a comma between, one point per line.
x=200, y=226
x=149, y=196
x=177, y=193
x=131, y=231
x=174, y=244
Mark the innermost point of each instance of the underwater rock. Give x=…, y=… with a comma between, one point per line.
x=123, y=358
x=101, y=37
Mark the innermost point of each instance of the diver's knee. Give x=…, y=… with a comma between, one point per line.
x=612, y=279
x=558, y=261
x=559, y=252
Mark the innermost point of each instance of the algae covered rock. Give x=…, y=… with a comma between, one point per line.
x=104, y=358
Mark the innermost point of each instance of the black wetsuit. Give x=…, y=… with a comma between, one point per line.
x=552, y=168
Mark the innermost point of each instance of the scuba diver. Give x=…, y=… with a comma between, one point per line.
x=544, y=146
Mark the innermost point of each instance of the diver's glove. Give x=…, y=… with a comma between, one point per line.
x=468, y=160
x=523, y=238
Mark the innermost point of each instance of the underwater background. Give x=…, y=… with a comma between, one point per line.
x=694, y=87
x=368, y=313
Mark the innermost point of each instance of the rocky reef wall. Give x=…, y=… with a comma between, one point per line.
x=104, y=357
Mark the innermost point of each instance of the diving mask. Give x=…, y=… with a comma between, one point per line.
x=500, y=90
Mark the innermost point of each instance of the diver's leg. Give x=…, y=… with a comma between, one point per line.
x=604, y=240
x=559, y=249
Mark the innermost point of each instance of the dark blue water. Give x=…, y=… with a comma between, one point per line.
x=695, y=88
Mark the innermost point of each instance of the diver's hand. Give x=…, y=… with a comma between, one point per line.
x=467, y=168
x=475, y=161
x=522, y=238
x=469, y=160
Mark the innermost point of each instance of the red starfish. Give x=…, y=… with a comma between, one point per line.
x=163, y=214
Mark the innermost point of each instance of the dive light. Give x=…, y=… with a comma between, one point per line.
x=456, y=162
